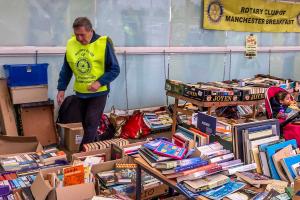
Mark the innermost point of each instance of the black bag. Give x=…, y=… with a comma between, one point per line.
x=69, y=111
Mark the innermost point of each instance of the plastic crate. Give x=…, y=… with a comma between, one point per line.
x=26, y=74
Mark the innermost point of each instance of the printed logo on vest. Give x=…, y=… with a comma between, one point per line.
x=83, y=66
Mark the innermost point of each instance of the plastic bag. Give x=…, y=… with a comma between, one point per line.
x=135, y=127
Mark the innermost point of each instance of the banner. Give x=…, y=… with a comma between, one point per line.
x=251, y=15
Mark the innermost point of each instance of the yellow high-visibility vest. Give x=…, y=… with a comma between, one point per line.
x=87, y=63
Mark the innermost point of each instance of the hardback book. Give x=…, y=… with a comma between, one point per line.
x=186, y=164
x=277, y=157
x=272, y=149
x=239, y=128
x=168, y=149
x=255, y=158
x=207, y=183
x=221, y=192
x=207, y=123
x=287, y=166
x=296, y=169
x=263, y=157
x=254, y=178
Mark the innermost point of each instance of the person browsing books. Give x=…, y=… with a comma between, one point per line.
x=92, y=60
x=282, y=103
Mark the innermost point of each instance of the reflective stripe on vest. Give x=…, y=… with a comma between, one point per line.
x=87, y=63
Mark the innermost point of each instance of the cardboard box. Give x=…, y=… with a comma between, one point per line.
x=19, y=144
x=73, y=134
x=110, y=165
x=38, y=120
x=42, y=190
x=117, y=152
x=7, y=118
x=80, y=156
x=29, y=94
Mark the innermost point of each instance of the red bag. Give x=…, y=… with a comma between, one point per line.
x=135, y=127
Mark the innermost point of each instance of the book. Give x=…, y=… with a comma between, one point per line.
x=210, y=170
x=222, y=158
x=242, y=168
x=207, y=123
x=287, y=166
x=170, y=150
x=254, y=178
x=230, y=164
x=206, y=183
x=186, y=164
x=154, y=156
x=73, y=175
x=147, y=158
x=107, y=178
x=221, y=192
x=272, y=149
x=263, y=157
x=296, y=169
x=277, y=157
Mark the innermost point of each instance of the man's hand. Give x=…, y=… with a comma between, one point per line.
x=60, y=97
x=94, y=86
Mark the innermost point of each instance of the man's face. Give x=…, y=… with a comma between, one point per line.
x=83, y=35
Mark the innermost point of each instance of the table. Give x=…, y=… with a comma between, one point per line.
x=208, y=105
x=143, y=165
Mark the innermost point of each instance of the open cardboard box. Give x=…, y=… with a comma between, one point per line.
x=41, y=188
x=118, y=152
x=110, y=165
x=71, y=134
x=19, y=144
x=105, y=152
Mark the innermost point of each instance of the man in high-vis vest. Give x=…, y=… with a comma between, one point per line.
x=92, y=60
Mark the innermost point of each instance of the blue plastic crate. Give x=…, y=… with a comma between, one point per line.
x=26, y=74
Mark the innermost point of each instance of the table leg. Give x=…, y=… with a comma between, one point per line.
x=175, y=116
x=209, y=110
x=138, y=189
x=254, y=111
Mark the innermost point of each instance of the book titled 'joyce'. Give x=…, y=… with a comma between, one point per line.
x=170, y=150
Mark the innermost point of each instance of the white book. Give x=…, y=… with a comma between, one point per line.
x=242, y=168
x=222, y=158
x=260, y=134
x=256, y=143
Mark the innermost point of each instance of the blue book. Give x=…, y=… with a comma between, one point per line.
x=272, y=149
x=206, y=123
x=287, y=166
x=224, y=190
x=152, y=144
x=190, y=163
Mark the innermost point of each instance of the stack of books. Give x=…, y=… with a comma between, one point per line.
x=30, y=162
x=158, y=121
x=104, y=144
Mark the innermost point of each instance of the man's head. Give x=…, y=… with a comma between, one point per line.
x=83, y=30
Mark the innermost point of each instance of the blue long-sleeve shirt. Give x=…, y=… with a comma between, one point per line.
x=112, y=70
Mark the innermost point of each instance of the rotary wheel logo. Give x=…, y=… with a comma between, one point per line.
x=298, y=19
x=215, y=11
x=83, y=66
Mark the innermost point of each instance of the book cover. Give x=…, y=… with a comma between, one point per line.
x=73, y=175
x=277, y=157
x=221, y=192
x=170, y=150
x=242, y=168
x=254, y=178
x=207, y=183
x=272, y=149
x=287, y=166
x=296, y=169
x=186, y=164
x=154, y=156
x=207, y=123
